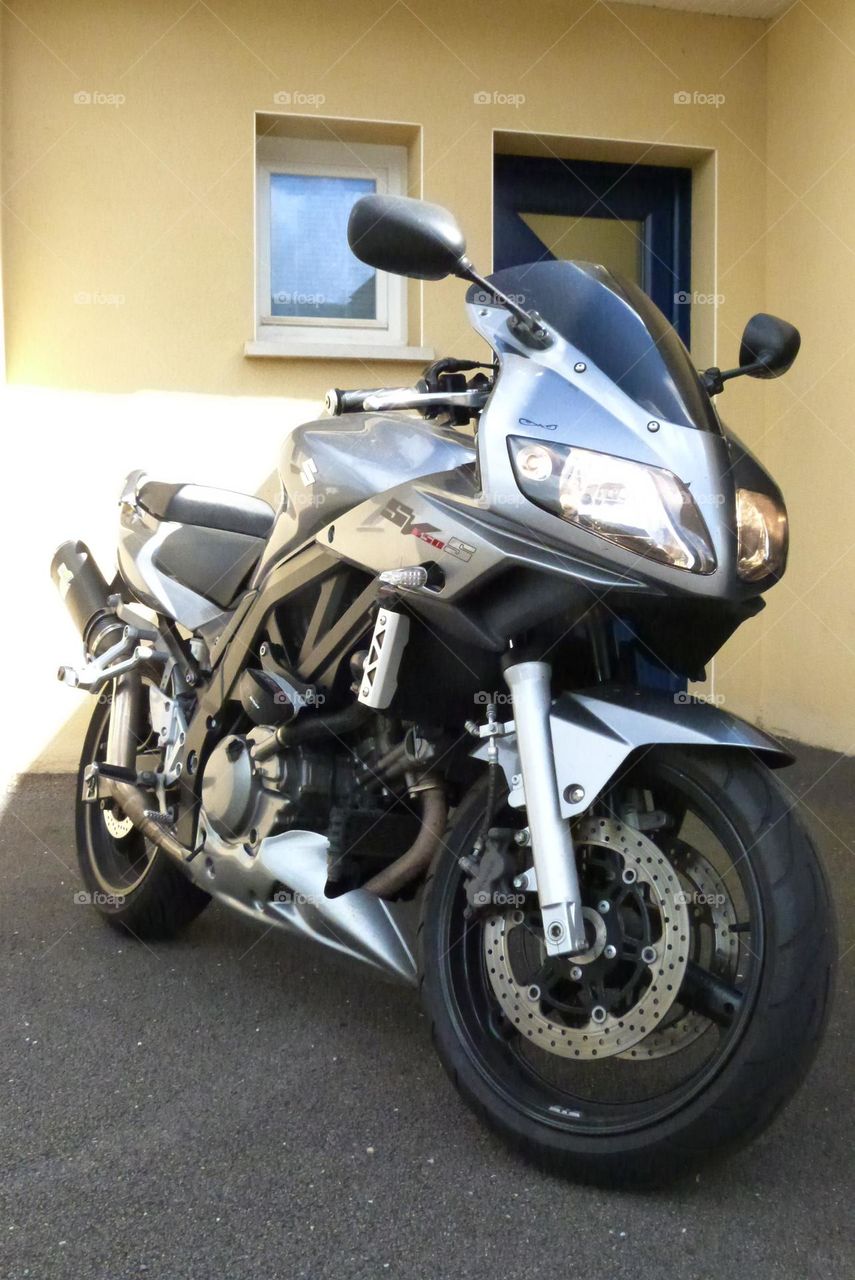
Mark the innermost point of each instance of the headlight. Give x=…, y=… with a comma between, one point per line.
x=762, y=536
x=644, y=509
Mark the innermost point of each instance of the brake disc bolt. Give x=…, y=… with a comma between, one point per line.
x=598, y=1013
x=576, y=973
x=610, y=952
x=629, y=875
x=648, y=955
x=603, y=907
x=534, y=993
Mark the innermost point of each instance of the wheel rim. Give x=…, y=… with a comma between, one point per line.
x=619, y=991
x=118, y=854
x=638, y=1084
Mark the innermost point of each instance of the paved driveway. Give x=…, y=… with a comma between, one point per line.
x=234, y=1105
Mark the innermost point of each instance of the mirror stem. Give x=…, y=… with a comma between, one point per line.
x=527, y=325
x=714, y=379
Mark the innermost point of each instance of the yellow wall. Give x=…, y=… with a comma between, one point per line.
x=151, y=201
x=806, y=656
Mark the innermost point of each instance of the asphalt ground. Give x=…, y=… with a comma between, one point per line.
x=235, y=1104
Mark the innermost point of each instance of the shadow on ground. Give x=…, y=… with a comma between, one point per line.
x=241, y=1104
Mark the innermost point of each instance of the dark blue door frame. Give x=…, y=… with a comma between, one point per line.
x=658, y=197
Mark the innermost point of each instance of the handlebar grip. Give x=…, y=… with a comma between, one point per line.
x=338, y=402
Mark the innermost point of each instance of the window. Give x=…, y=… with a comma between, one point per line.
x=313, y=296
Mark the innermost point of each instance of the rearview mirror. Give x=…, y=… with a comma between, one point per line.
x=769, y=346
x=406, y=237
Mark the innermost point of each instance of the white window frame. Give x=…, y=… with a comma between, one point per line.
x=387, y=165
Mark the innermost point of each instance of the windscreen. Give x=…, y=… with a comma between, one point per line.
x=616, y=326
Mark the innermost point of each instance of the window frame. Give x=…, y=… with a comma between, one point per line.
x=387, y=165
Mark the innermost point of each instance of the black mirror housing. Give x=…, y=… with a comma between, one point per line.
x=406, y=237
x=769, y=346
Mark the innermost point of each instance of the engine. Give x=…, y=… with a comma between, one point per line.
x=253, y=788
x=250, y=790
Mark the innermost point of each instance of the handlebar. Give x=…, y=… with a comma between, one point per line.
x=384, y=399
x=443, y=388
x=338, y=402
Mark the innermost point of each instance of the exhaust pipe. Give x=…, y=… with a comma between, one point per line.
x=358, y=924
x=84, y=590
x=132, y=801
x=392, y=879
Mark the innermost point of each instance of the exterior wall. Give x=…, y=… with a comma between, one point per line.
x=806, y=655
x=149, y=203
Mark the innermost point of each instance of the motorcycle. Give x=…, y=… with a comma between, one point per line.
x=431, y=712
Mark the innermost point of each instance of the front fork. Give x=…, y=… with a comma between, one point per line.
x=551, y=842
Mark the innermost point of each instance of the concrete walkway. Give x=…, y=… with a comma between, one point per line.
x=236, y=1105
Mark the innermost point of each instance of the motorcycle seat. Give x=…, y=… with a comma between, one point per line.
x=207, y=507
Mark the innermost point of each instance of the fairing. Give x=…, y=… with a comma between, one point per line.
x=656, y=413
x=613, y=324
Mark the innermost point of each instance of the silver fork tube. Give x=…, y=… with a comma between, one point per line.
x=552, y=844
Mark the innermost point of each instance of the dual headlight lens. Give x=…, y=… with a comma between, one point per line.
x=646, y=510
x=762, y=536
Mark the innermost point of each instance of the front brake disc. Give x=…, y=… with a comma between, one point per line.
x=713, y=911
x=641, y=869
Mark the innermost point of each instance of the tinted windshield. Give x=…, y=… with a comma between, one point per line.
x=615, y=324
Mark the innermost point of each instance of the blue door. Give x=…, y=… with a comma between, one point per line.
x=634, y=219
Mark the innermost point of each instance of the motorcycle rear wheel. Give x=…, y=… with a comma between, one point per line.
x=132, y=884
x=644, y=1116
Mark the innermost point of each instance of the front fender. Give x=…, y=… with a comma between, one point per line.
x=594, y=733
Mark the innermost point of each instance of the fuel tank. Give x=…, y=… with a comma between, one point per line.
x=329, y=466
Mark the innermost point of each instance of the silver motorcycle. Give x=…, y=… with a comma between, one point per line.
x=431, y=712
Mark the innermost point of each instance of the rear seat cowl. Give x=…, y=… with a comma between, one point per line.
x=207, y=507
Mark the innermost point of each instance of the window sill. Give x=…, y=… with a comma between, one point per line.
x=336, y=351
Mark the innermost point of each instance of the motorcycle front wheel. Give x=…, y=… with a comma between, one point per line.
x=699, y=1004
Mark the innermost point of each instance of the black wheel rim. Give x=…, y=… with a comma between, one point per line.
x=118, y=865
x=613, y=1095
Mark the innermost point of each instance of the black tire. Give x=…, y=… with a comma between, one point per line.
x=135, y=887
x=781, y=1027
